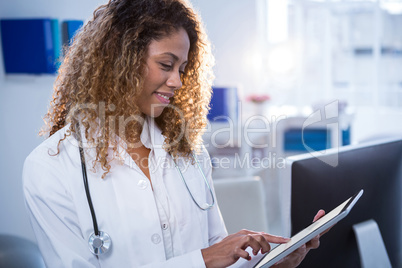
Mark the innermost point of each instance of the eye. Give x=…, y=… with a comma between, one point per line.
x=165, y=66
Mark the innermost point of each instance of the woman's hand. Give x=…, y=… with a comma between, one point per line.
x=297, y=256
x=233, y=247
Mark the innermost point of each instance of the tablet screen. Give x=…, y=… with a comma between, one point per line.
x=298, y=240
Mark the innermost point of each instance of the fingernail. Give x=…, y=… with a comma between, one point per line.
x=249, y=258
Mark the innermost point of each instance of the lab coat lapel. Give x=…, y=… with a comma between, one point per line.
x=156, y=138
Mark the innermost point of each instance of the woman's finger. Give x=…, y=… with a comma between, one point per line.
x=263, y=243
x=313, y=243
x=319, y=214
x=241, y=253
x=275, y=239
x=269, y=238
x=256, y=242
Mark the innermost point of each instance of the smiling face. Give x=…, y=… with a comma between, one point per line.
x=165, y=62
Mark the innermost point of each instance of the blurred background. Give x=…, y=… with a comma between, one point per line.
x=276, y=58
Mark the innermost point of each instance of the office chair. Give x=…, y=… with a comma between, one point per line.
x=18, y=252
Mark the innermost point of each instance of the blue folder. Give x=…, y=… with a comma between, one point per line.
x=27, y=46
x=70, y=28
x=56, y=42
x=223, y=104
x=316, y=139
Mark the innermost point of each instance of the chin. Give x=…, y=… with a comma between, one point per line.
x=155, y=113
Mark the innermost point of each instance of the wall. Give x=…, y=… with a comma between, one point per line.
x=232, y=28
x=23, y=101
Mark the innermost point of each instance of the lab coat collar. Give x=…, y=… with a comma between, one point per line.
x=85, y=143
x=151, y=137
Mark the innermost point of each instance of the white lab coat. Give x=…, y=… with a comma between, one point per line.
x=124, y=205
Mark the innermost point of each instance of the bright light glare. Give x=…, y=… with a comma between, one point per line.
x=287, y=110
x=392, y=7
x=281, y=60
x=253, y=61
x=277, y=20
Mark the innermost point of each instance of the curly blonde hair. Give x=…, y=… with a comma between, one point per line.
x=102, y=75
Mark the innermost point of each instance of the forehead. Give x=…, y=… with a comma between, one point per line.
x=177, y=43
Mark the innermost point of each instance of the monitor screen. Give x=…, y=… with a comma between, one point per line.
x=375, y=167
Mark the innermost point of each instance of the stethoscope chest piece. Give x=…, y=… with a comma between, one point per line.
x=99, y=244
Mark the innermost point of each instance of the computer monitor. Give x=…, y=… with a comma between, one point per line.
x=375, y=167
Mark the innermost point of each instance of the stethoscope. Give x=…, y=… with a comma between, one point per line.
x=99, y=242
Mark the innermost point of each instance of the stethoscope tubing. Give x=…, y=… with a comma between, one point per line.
x=88, y=193
x=85, y=179
x=208, y=206
x=104, y=237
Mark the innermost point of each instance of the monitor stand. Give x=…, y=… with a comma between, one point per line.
x=371, y=245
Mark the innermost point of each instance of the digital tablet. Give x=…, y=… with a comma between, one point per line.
x=302, y=237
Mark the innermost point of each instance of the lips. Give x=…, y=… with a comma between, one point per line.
x=163, y=97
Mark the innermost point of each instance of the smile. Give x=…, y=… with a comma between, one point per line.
x=163, y=97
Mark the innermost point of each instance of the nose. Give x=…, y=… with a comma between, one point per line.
x=174, y=81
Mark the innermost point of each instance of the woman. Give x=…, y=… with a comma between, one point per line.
x=133, y=92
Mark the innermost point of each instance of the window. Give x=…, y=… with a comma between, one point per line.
x=350, y=50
